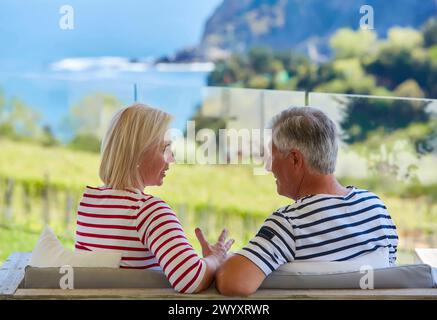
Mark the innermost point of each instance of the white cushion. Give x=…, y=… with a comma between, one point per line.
x=376, y=259
x=49, y=252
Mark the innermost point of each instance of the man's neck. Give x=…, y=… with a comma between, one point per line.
x=315, y=183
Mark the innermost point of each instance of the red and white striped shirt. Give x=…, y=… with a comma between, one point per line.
x=144, y=228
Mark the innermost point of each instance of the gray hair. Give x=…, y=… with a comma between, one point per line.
x=311, y=132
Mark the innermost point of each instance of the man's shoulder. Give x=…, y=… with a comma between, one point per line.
x=318, y=201
x=287, y=212
x=364, y=194
x=284, y=210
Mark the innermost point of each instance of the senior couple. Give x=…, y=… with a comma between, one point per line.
x=326, y=221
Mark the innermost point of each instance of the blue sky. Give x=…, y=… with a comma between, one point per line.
x=29, y=29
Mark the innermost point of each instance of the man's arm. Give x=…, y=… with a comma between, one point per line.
x=238, y=276
x=272, y=246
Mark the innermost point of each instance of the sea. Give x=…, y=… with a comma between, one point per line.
x=52, y=90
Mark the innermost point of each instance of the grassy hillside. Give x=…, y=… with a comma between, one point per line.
x=219, y=186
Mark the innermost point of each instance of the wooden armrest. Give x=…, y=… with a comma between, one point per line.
x=12, y=272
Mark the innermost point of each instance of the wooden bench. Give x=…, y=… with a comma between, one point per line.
x=12, y=274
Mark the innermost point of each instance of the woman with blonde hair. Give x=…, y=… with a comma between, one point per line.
x=120, y=217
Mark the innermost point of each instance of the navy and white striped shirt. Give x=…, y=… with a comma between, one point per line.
x=323, y=228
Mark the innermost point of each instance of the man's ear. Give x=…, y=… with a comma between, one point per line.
x=296, y=157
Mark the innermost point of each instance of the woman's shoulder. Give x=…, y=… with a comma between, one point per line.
x=149, y=198
x=104, y=192
x=153, y=207
x=150, y=201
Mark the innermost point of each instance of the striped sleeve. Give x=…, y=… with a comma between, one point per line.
x=393, y=246
x=273, y=245
x=160, y=230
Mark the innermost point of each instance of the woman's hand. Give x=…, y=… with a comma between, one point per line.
x=219, y=249
x=213, y=256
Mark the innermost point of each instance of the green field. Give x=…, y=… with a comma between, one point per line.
x=207, y=196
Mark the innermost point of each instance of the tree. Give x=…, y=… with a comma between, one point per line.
x=348, y=76
x=18, y=120
x=363, y=64
x=363, y=116
x=48, y=138
x=393, y=65
x=89, y=119
x=430, y=32
x=85, y=142
x=2, y=103
x=92, y=113
x=260, y=59
x=24, y=119
x=431, y=86
x=5, y=128
x=347, y=43
x=230, y=71
x=409, y=88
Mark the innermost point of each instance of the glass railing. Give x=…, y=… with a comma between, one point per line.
x=388, y=145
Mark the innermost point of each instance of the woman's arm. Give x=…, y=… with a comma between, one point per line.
x=161, y=232
x=212, y=266
x=214, y=256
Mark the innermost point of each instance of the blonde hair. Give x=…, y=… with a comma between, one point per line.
x=132, y=131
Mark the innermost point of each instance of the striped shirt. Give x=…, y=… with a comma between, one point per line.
x=144, y=229
x=323, y=228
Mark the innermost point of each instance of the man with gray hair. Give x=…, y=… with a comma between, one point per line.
x=327, y=222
